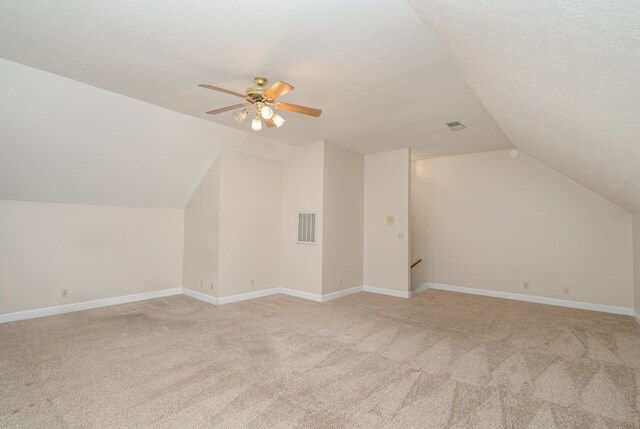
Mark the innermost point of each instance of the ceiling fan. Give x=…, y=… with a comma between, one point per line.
x=264, y=102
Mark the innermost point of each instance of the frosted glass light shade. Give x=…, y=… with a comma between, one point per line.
x=278, y=120
x=256, y=124
x=241, y=115
x=266, y=111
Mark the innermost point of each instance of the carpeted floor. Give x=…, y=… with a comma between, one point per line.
x=440, y=359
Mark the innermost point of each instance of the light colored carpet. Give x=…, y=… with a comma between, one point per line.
x=440, y=359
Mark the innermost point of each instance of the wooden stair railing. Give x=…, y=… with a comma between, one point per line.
x=416, y=263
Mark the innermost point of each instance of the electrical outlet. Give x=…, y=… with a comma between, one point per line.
x=390, y=220
x=401, y=235
x=65, y=293
x=525, y=285
x=340, y=282
x=565, y=290
x=253, y=282
x=201, y=287
x=211, y=285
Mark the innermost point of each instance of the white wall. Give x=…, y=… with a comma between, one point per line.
x=201, y=219
x=250, y=223
x=493, y=222
x=93, y=251
x=636, y=260
x=343, y=217
x=386, y=193
x=67, y=142
x=302, y=191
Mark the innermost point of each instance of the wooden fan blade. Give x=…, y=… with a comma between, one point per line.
x=226, y=109
x=298, y=109
x=278, y=89
x=226, y=91
x=270, y=122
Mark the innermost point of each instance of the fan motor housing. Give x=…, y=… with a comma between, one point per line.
x=257, y=91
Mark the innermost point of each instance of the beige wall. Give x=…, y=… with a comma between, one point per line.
x=201, y=219
x=302, y=191
x=250, y=220
x=93, y=251
x=343, y=216
x=636, y=259
x=386, y=192
x=493, y=222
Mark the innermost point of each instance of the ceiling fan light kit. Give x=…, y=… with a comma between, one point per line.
x=266, y=112
x=241, y=115
x=278, y=120
x=256, y=124
x=264, y=102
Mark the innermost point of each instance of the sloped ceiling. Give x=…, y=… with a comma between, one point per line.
x=65, y=141
x=561, y=78
x=382, y=79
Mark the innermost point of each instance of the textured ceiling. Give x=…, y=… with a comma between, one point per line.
x=382, y=80
x=561, y=78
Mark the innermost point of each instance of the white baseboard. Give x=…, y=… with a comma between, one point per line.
x=389, y=292
x=286, y=291
x=291, y=292
x=420, y=289
x=300, y=294
x=86, y=305
x=249, y=295
x=636, y=314
x=340, y=294
x=199, y=295
x=531, y=298
x=231, y=298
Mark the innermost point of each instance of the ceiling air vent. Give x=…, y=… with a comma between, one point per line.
x=306, y=227
x=455, y=126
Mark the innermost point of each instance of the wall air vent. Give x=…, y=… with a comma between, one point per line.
x=455, y=126
x=306, y=227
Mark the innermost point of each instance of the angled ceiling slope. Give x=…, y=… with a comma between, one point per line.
x=562, y=79
x=381, y=78
x=65, y=141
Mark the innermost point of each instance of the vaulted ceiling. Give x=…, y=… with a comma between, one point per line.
x=383, y=81
x=561, y=78
x=65, y=141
